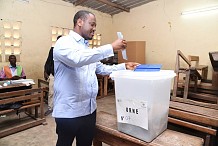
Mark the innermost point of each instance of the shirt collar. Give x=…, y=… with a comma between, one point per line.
x=78, y=37
x=10, y=66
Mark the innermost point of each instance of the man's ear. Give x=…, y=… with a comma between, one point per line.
x=79, y=22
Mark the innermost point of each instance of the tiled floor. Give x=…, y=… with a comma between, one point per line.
x=44, y=135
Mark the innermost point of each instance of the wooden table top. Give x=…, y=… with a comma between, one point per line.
x=107, y=123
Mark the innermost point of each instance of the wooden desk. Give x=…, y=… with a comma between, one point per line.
x=106, y=131
x=14, y=87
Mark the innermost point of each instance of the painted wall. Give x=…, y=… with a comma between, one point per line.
x=165, y=31
x=37, y=17
x=159, y=23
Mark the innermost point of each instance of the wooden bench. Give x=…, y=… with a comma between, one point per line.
x=30, y=98
x=195, y=117
x=106, y=131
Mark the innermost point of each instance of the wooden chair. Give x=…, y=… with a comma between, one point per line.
x=189, y=73
x=100, y=86
x=203, y=69
x=103, y=81
x=44, y=85
x=214, y=62
x=182, y=88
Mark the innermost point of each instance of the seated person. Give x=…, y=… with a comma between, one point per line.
x=12, y=71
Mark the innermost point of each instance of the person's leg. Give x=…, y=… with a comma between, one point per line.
x=50, y=95
x=51, y=92
x=86, y=131
x=66, y=129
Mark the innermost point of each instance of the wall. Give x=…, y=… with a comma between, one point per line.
x=161, y=25
x=37, y=17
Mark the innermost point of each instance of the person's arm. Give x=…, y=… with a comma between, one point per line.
x=107, y=69
x=17, y=77
x=23, y=75
x=3, y=75
x=48, y=64
x=77, y=54
x=131, y=65
x=76, y=57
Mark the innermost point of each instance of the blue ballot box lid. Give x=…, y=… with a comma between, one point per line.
x=148, y=67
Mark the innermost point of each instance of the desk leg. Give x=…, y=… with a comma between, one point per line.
x=207, y=140
x=204, y=73
x=105, y=85
x=36, y=112
x=96, y=142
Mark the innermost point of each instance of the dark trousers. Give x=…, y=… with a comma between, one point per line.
x=83, y=128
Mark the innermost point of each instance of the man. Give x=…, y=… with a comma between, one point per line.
x=75, y=84
x=49, y=76
x=12, y=71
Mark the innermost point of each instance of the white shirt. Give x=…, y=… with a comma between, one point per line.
x=75, y=69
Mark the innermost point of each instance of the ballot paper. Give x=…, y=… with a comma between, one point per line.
x=120, y=36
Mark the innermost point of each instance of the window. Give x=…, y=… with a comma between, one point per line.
x=96, y=41
x=10, y=39
x=57, y=31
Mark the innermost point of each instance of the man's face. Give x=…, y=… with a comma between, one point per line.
x=12, y=60
x=88, y=27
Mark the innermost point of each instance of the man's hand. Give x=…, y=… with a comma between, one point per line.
x=119, y=44
x=131, y=65
x=15, y=78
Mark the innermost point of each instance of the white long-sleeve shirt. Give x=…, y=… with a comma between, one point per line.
x=75, y=69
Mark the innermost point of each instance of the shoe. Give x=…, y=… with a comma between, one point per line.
x=48, y=112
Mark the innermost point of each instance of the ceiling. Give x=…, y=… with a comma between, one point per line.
x=110, y=7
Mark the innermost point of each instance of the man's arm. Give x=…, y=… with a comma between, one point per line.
x=23, y=76
x=48, y=64
x=2, y=75
x=107, y=69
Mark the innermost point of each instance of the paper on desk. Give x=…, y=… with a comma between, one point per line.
x=27, y=82
x=120, y=36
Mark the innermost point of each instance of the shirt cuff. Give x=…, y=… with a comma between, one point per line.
x=121, y=66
